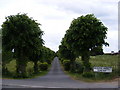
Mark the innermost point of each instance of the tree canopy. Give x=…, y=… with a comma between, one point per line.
x=65, y=52
x=48, y=55
x=86, y=32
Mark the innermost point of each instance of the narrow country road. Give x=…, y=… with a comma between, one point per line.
x=56, y=78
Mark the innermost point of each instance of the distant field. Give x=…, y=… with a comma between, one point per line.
x=103, y=61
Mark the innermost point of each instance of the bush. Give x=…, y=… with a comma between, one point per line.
x=30, y=71
x=66, y=64
x=79, y=67
x=88, y=74
x=61, y=60
x=43, y=66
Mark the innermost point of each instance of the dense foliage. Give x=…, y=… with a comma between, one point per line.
x=66, y=64
x=43, y=66
x=48, y=55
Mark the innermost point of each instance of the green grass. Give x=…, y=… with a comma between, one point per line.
x=99, y=61
x=29, y=69
x=105, y=61
x=100, y=78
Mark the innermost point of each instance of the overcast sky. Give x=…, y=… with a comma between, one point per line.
x=56, y=16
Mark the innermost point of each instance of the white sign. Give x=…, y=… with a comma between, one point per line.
x=102, y=69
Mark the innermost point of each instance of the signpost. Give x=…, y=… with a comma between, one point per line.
x=102, y=69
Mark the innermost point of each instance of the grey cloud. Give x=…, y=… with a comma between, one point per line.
x=52, y=40
x=81, y=6
x=53, y=17
x=55, y=38
x=103, y=9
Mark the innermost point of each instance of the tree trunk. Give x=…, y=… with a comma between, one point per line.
x=86, y=63
x=72, y=66
x=21, y=68
x=35, y=67
x=21, y=64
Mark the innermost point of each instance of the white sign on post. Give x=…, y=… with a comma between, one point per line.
x=102, y=69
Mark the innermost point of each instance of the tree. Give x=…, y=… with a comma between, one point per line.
x=66, y=53
x=37, y=55
x=48, y=55
x=21, y=33
x=84, y=34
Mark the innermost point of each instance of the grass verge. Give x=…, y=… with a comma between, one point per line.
x=100, y=77
x=99, y=61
